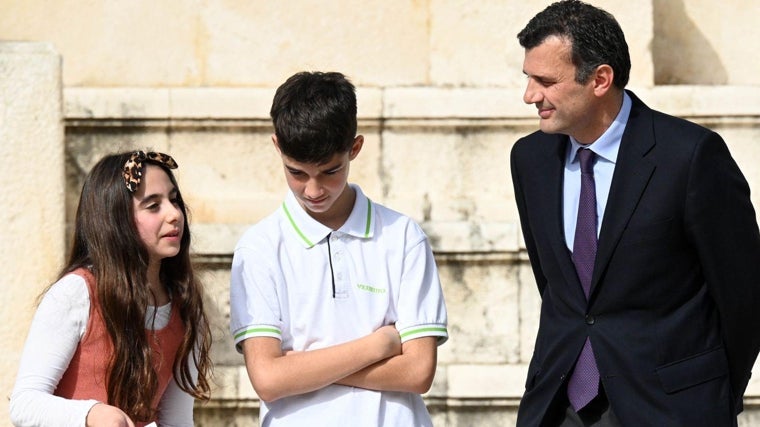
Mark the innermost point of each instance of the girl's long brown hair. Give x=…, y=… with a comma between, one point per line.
x=106, y=240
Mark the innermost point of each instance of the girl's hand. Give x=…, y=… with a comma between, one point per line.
x=102, y=415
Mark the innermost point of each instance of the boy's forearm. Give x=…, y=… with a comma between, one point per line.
x=412, y=371
x=275, y=375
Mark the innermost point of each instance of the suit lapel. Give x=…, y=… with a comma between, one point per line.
x=632, y=173
x=550, y=171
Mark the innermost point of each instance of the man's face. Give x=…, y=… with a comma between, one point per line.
x=564, y=106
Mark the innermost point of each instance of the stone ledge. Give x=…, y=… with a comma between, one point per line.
x=140, y=103
x=219, y=240
x=466, y=385
x=486, y=381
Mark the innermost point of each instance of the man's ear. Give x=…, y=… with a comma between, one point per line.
x=276, y=145
x=356, y=147
x=604, y=77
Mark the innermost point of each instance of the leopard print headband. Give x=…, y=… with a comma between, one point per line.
x=133, y=168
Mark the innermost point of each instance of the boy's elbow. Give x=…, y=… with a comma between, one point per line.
x=266, y=396
x=422, y=384
x=424, y=360
x=421, y=380
x=266, y=390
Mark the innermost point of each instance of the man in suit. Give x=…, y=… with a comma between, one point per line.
x=642, y=239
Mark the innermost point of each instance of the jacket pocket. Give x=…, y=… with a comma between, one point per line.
x=694, y=370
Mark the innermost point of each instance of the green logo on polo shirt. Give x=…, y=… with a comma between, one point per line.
x=369, y=288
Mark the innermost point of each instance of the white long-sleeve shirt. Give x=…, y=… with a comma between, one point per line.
x=58, y=325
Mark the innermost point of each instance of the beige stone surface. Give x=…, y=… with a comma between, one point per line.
x=31, y=218
x=111, y=43
x=474, y=43
x=705, y=42
x=195, y=43
x=440, y=104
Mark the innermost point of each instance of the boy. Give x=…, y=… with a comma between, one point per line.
x=335, y=300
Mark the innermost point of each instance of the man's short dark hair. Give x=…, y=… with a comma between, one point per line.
x=314, y=116
x=595, y=36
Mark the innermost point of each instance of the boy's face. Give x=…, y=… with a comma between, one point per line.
x=321, y=188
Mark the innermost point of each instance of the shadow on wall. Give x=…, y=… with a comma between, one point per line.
x=681, y=53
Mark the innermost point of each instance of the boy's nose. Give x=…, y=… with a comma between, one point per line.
x=313, y=189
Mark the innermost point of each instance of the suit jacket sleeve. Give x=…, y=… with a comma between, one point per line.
x=722, y=225
x=527, y=232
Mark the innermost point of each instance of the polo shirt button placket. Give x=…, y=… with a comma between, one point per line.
x=339, y=265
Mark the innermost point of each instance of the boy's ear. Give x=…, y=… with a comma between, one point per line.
x=276, y=145
x=356, y=147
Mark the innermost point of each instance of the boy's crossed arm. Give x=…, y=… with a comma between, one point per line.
x=411, y=371
x=377, y=361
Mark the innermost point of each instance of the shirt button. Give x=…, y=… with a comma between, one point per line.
x=590, y=319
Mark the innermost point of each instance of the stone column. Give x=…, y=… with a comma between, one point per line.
x=32, y=211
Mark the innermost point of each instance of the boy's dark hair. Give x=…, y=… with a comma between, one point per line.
x=595, y=35
x=314, y=116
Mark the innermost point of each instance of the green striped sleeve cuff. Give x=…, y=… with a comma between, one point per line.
x=243, y=334
x=428, y=330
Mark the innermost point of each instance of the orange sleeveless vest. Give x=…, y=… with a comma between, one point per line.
x=85, y=378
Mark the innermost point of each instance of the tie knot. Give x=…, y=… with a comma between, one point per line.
x=586, y=157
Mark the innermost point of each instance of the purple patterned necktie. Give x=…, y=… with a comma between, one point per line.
x=584, y=381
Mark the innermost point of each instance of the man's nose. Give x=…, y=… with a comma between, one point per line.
x=532, y=93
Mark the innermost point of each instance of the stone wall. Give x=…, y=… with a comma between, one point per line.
x=31, y=191
x=440, y=104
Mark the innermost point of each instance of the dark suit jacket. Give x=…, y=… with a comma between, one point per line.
x=674, y=311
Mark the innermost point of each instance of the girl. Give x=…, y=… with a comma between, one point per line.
x=121, y=339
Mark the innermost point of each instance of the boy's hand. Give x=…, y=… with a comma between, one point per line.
x=389, y=340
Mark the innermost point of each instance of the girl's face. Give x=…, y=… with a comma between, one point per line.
x=157, y=215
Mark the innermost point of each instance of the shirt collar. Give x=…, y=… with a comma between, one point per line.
x=360, y=223
x=607, y=145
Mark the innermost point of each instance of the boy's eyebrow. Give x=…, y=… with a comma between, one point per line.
x=328, y=168
x=334, y=168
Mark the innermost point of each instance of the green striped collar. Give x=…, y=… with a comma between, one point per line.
x=361, y=222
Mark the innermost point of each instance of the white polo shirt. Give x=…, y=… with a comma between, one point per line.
x=311, y=287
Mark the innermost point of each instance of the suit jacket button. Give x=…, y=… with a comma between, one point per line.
x=590, y=319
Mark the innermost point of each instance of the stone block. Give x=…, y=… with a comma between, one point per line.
x=32, y=197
